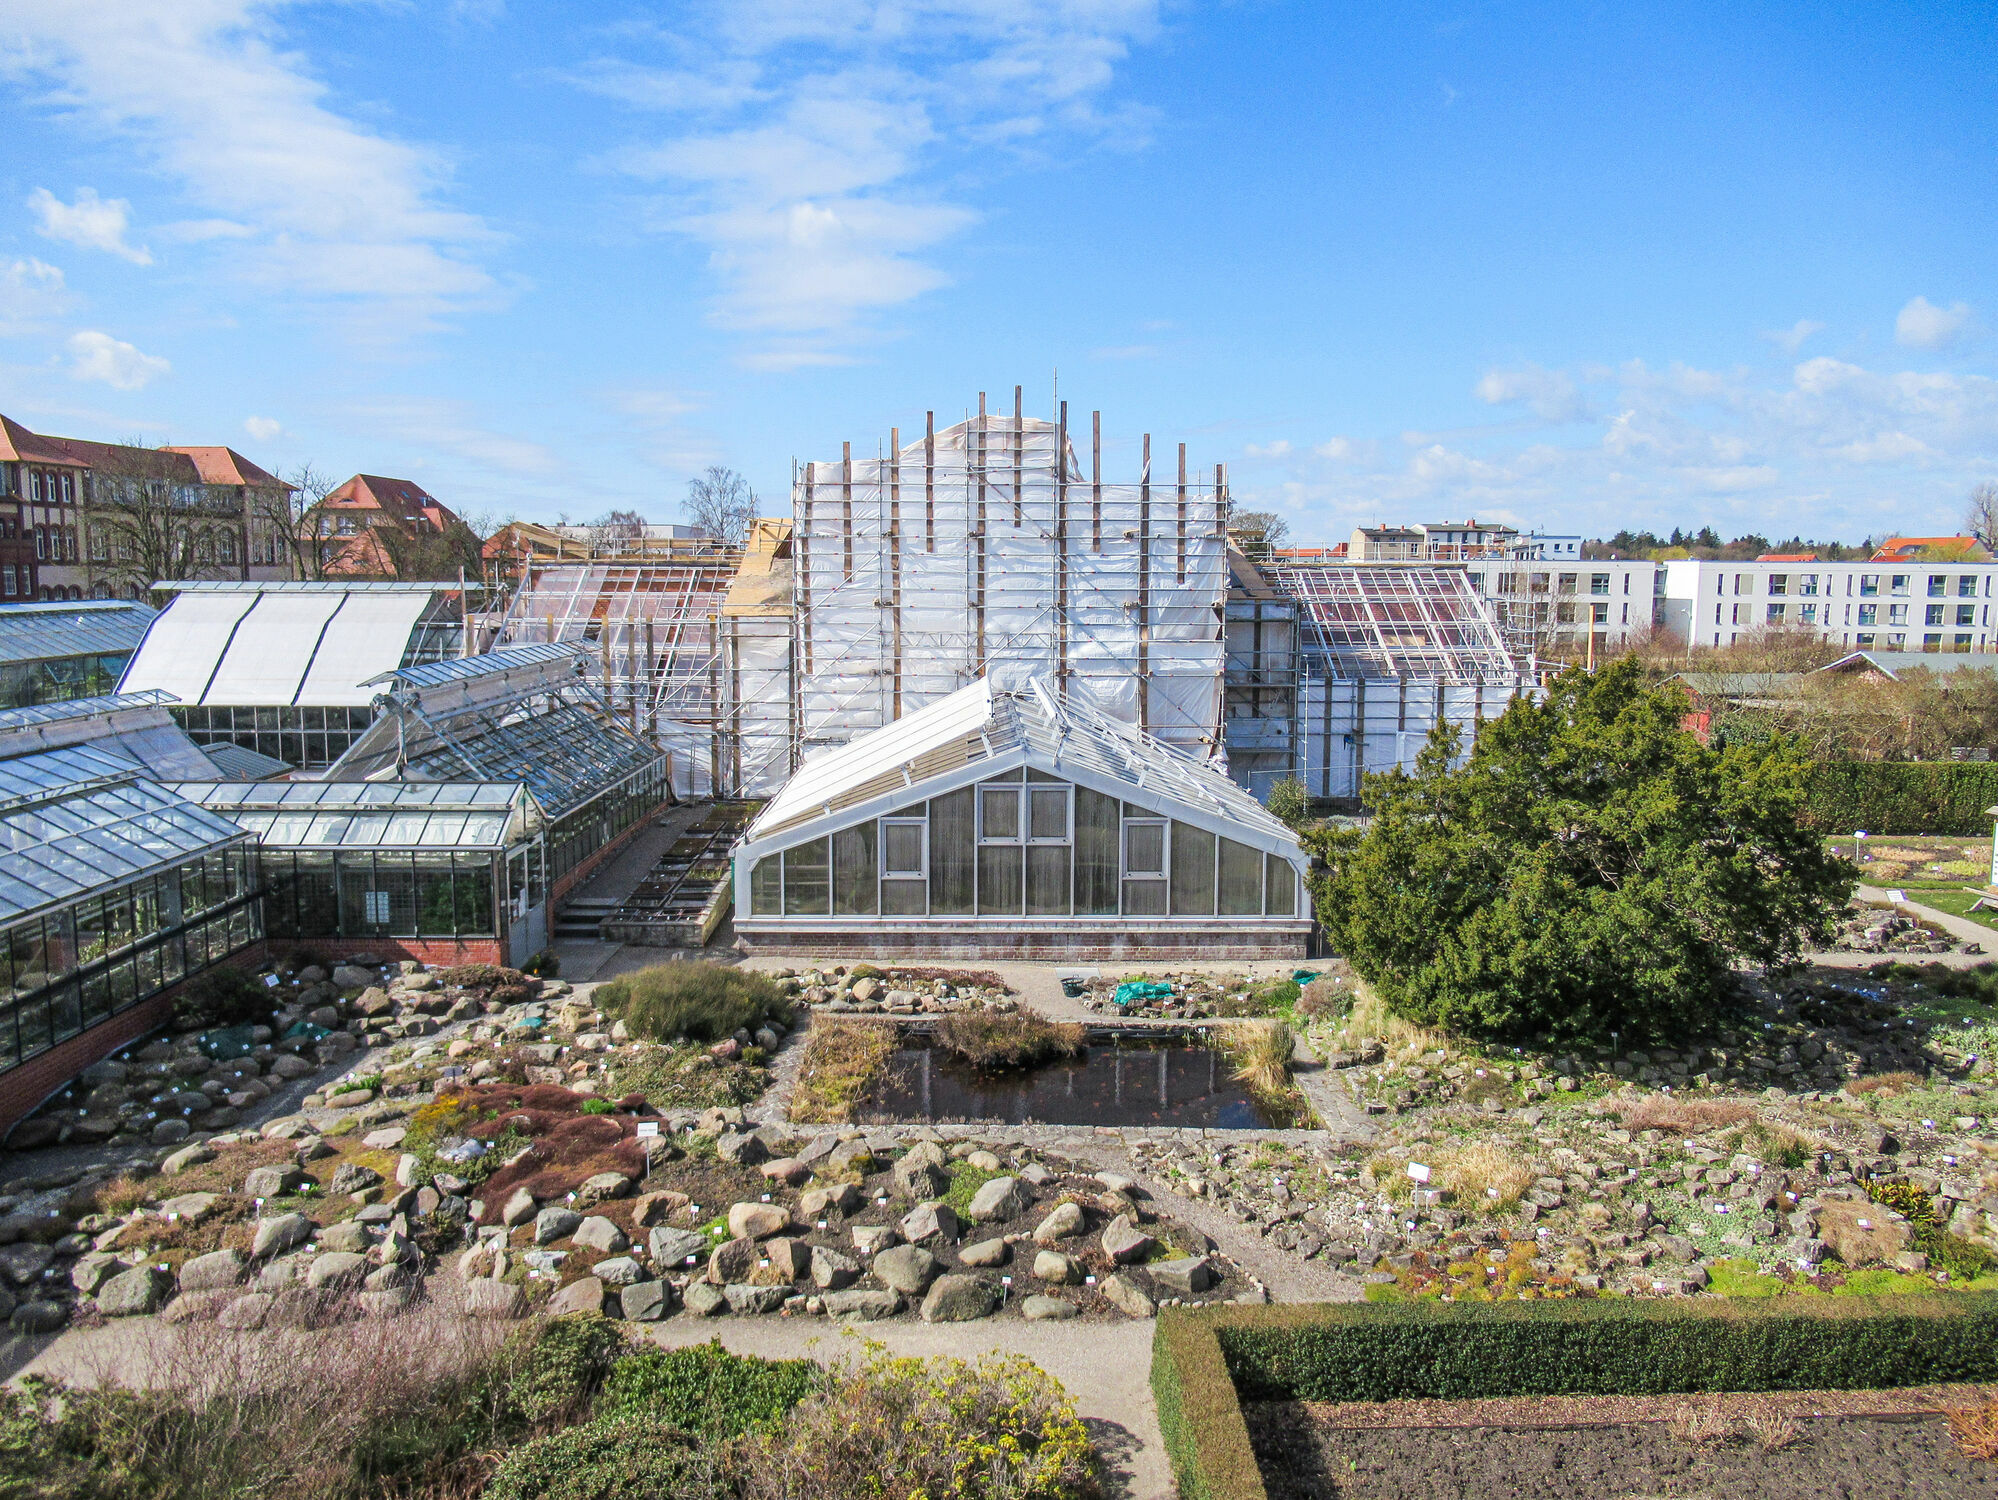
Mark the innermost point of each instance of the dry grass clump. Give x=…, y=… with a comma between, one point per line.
x=841, y=1063
x=994, y=1041
x=1702, y=1426
x=1884, y=1083
x=1262, y=1051
x=1370, y=1017
x=1685, y=1116
x=1772, y=1433
x=1484, y=1178
x=1975, y=1429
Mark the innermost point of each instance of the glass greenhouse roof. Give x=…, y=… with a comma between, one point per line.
x=77, y=820
x=565, y=754
x=50, y=632
x=381, y=815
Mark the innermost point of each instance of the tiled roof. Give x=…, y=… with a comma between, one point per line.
x=227, y=466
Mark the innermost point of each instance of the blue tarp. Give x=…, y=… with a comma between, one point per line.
x=1134, y=991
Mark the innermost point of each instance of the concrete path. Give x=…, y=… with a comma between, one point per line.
x=1961, y=928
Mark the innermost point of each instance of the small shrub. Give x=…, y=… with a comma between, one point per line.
x=543, y=965
x=598, y=1107
x=1684, y=1116
x=1001, y=1429
x=553, y=1369
x=1323, y=997
x=707, y=1390
x=1702, y=1426
x=995, y=1041
x=1772, y=1432
x=622, y=1457
x=841, y=1063
x=222, y=996
x=1484, y=1178
x=864, y=971
x=1290, y=802
x=1262, y=1051
x=699, y=1000
x=1884, y=1083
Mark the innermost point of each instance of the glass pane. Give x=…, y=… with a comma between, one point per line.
x=1144, y=898
x=1098, y=822
x=1192, y=871
x=1047, y=879
x=1282, y=886
x=951, y=847
x=999, y=868
x=436, y=905
x=1144, y=849
x=318, y=912
x=362, y=908
x=1000, y=806
x=902, y=898
x=901, y=848
x=1048, y=813
x=395, y=884
x=854, y=871
x=475, y=895
x=1241, y=880
x=766, y=887
x=807, y=891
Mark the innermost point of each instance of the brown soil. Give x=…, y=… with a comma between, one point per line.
x=1882, y=1457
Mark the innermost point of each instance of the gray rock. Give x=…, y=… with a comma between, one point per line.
x=1062, y=1270
x=1000, y=1201
x=1124, y=1294
x=336, y=1268
x=187, y=1156
x=352, y=1177
x=274, y=1182
x=143, y=1289
x=930, y=1219
x=757, y=1221
x=816, y=1203
x=39, y=1317
x=486, y=1298
x=349, y=1234
x=89, y=1273
x=705, y=1300
x=986, y=1253
x=832, y=1269
x=745, y=1300
x=22, y=1263
x=1064, y=1220
x=862, y=1304
x=385, y=1302
x=354, y=977
x=672, y=1247
x=583, y=1295
x=646, y=1301
x=960, y=1299
x=521, y=1207
x=170, y=1132
x=743, y=1150
x=553, y=1224
x=599, y=1233
x=1039, y=1309
x=604, y=1185
x=1124, y=1242
x=872, y=1239
x=924, y=1172
x=619, y=1271
x=909, y=1269
x=1187, y=1276
x=277, y=1235
x=733, y=1260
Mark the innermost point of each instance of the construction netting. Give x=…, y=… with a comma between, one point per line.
x=983, y=549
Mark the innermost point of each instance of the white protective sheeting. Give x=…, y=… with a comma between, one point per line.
x=184, y=644
x=273, y=648
x=989, y=552
x=368, y=637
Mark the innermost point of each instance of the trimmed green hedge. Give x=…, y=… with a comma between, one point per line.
x=1902, y=797
x=1206, y=1362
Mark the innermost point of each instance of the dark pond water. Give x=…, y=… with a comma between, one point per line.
x=1112, y=1082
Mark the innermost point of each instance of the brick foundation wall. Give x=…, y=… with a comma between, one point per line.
x=24, y=1088
x=438, y=950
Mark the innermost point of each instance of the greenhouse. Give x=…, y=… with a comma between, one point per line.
x=1018, y=824
x=441, y=871
x=112, y=890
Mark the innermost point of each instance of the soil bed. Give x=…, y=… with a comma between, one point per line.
x=1853, y=1457
x=1115, y=1080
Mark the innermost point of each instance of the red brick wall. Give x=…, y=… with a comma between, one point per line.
x=440, y=950
x=25, y=1087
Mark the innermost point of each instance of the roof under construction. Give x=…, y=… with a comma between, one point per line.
x=1392, y=620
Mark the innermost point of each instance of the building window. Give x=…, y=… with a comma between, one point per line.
x=1779, y=584
x=1962, y=643
x=1743, y=584
x=7, y=582
x=1897, y=583
x=1807, y=614
x=1599, y=583
x=1864, y=641
x=226, y=543
x=1897, y=614
x=1869, y=614
x=1869, y=583
x=1932, y=614
x=1896, y=640
x=1776, y=613
x=100, y=547
x=1938, y=585
x=41, y=543
x=1807, y=584
x=1932, y=642
x=1966, y=586
x=1966, y=614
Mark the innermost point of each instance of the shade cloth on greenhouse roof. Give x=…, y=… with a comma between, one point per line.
x=981, y=723
x=372, y=814
x=81, y=819
x=135, y=725
x=50, y=632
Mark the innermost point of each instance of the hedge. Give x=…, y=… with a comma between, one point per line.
x=1902, y=797
x=1206, y=1362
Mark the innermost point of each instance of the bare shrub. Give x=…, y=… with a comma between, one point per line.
x=1685, y=1116
x=997, y=1040
x=1323, y=997
x=1884, y=1083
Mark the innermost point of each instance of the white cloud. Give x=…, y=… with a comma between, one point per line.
x=1887, y=448
x=98, y=356
x=31, y=292
x=656, y=424
x=428, y=423
x=1338, y=449
x=1279, y=449
x=92, y=222
x=314, y=203
x=1793, y=338
x=1550, y=393
x=811, y=145
x=263, y=429
x=1923, y=325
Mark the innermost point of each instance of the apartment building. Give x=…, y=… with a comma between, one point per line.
x=1550, y=610
x=1872, y=605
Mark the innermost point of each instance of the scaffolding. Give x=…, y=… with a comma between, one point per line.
x=984, y=549
x=651, y=632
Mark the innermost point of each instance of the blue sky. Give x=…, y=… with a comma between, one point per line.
x=1577, y=267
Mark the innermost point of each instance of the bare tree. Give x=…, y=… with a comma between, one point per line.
x=615, y=526
x=1981, y=517
x=309, y=529
x=721, y=503
x=144, y=524
x=1260, y=532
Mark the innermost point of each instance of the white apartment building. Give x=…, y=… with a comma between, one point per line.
x=1553, y=610
x=1884, y=606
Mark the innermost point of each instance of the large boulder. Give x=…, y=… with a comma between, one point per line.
x=928, y=1221
x=354, y=977
x=986, y=1253
x=599, y=1233
x=1124, y=1294
x=1125, y=1243
x=583, y=1295
x=336, y=1268
x=742, y=1150
x=646, y=1301
x=832, y=1269
x=909, y=1269
x=862, y=1304
x=840, y=1197
x=350, y=1235
x=1000, y=1201
x=143, y=1289
x=553, y=1224
x=1054, y=1266
x=187, y=1156
x=671, y=1248
x=1063, y=1221
x=274, y=1182
x=960, y=1299
x=519, y=1208
x=732, y=1260
x=487, y=1298
x=745, y=1300
x=276, y=1235
x=923, y=1172
x=619, y=1270
x=602, y=1186
x=1039, y=1309
x=1187, y=1276
x=704, y=1299
x=756, y=1221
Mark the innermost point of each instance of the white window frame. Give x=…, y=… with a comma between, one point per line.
x=1068, y=813
x=1018, y=791
x=922, y=827
x=1124, y=870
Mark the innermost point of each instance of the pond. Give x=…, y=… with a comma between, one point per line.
x=1118, y=1079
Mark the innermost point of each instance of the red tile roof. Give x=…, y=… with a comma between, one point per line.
x=1899, y=548
x=227, y=466
x=1788, y=557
